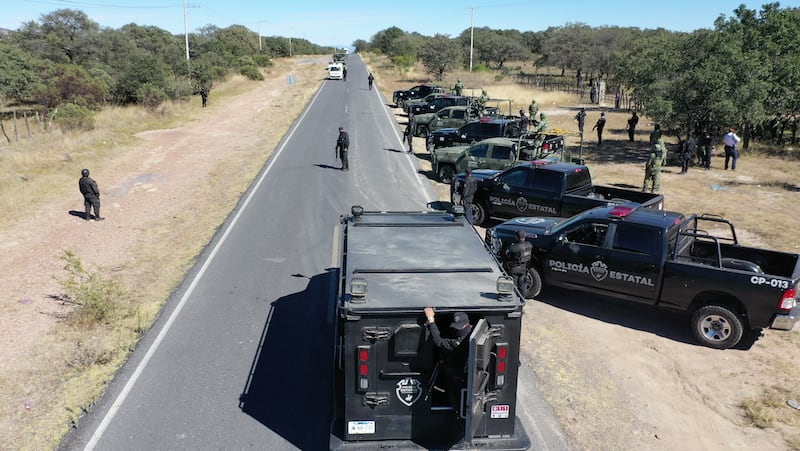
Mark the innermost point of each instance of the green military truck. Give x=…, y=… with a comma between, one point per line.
x=492, y=153
x=450, y=117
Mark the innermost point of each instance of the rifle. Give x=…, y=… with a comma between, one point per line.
x=336, y=151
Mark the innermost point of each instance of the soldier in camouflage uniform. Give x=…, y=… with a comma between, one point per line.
x=458, y=88
x=480, y=102
x=533, y=109
x=652, y=169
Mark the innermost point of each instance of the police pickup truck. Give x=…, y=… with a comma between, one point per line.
x=492, y=153
x=543, y=188
x=694, y=265
x=391, y=388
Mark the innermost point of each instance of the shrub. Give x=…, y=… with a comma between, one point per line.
x=96, y=297
x=251, y=72
x=150, y=95
x=71, y=117
x=262, y=60
x=179, y=89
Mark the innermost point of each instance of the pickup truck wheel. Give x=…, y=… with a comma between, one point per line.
x=717, y=327
x=446, y=173
x=531, y=284
x=422, y=130
x=478, y=213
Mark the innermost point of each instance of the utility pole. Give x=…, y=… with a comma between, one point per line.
x=186, y=34
x=471, y=35
x=259, y=35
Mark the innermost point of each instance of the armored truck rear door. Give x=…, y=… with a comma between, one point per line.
x=480, y=348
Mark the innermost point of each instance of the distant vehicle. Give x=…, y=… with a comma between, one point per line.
x=417, y=92
x=336, y=71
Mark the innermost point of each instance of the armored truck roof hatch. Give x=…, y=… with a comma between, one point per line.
x=396, y=386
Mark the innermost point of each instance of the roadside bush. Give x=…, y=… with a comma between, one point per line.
x=179, y=89
x=245, y=60
x=262, y=60
x=481, y=68
x=71, y=117
x=150, y=95
x=251, y=72
x=96, y=297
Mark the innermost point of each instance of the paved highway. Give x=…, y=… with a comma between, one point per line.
x=241, y=356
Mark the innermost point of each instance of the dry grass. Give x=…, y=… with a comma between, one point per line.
x=79, y=360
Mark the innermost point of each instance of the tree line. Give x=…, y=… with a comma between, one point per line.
x=65, y=62
x=744, y=72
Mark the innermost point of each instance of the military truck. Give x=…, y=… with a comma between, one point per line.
x=492, y=153
x=450, y=117
x=390, y=388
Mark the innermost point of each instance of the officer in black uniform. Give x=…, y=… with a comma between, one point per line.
x=470, y=186
x=516, y=258
x=455, y=352
x=91, y=196
x=342, y=146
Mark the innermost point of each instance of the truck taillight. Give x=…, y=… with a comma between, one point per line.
x=363, y=367
x=788, y=299
x=546, y=146
x=501, y=364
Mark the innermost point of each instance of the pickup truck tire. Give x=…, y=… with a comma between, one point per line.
x=446, y=173
x=531, y=284
x=478, y=213
x=717, y=327
x=422, y=130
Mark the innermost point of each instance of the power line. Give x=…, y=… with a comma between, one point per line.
x=103, y=5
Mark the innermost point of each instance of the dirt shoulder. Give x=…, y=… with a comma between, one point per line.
x=163, y=198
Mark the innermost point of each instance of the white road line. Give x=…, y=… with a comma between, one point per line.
x=112, y=411
x=428, y=193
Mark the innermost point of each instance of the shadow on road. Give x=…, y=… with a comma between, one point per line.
x=290, y=385
x=670, y=325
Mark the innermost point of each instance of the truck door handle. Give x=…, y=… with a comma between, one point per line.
x=388, y=374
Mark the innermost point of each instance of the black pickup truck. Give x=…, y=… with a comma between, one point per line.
x=417, y=92
x=543, y=188
x=474, y=131
x=694, y=265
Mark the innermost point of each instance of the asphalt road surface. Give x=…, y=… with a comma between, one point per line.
x=241, y=356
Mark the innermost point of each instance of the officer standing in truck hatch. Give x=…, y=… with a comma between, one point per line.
x=516, y=258
x=455, y=351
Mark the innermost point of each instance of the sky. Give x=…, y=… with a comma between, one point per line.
x=339, y=23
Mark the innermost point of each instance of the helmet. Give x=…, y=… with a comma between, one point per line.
x=85, y=172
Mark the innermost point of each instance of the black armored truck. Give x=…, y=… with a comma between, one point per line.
x=689, y=264
x=396, y=387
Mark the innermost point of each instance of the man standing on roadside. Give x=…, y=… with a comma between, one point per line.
x=708, y=148
x=204, y=96
x=731, y=140
x=581, y=118
x=458, y=88
x=342, y=146
x=632, y=121
x=688, y=151
x=91, y=196
x=600, y=125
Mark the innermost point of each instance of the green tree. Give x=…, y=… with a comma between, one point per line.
x=383, y=41
x=18, y=74
x=439, y=55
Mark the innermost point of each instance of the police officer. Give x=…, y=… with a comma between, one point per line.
x=370, y=79
x=204, y=96
x=600, y=125
x=91, y=196
x=632, y=121
x=688, y=151
x=455, y=349
x=342, y=146
x=470, y=185
x=516, y=258
x=652, y=169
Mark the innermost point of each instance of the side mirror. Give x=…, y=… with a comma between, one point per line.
x=562, y=239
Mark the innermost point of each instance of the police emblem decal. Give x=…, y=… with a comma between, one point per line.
x=522, y=204
x=408, y=391
x=599, y=271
